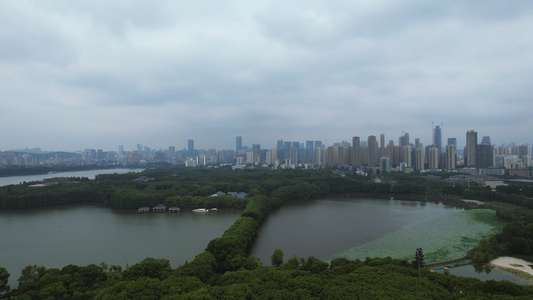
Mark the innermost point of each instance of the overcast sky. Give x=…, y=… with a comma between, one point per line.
x=98, y=74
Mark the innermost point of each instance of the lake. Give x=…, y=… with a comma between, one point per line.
x=323, y=228
x=86, y=234
x=89, y=174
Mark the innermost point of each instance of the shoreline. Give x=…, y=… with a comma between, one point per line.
x=515, y=265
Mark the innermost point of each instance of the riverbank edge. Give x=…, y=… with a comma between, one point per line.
x=504, y=263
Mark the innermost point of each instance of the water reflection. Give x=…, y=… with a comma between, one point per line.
x=485, y=272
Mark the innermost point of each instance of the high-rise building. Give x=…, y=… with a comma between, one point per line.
x=433, y=158
x=293, y=158
x=449, y=157
x=486, y=140
x=404, y=139
x=309, y=151
x=372, y=151
x=238, y=144
x=471, y=148
x=453, y=142
x=437, y=138
x=256, y=149
x=406, y=151
x=384, y=165
x=417, y=143
x=121, y=149
x=382, y=145
x=484, y=156
x=419, y=158
x=190, y=147
x=356, y=148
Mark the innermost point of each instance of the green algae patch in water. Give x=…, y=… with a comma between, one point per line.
x=444, y=239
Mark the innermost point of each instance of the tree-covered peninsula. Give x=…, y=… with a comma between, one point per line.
x=226, y=270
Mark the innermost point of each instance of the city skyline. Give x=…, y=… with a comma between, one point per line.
x=77, y=75
x=188, y=144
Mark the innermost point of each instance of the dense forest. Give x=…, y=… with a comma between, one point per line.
x=226, y=270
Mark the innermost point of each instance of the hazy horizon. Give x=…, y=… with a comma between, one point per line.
x=99, y=74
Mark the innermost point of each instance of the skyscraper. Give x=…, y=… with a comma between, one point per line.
x=382, y=145
x=484, y=156
x=356, y=148
x=190, y=147
x=453, y=141
x=471, y=148
x=433, y=159
x=437, y=138
x=449, y=157
x=309, y=151
x=419, y=158
x=238, y=144
x=372, y=151
x=256, y=149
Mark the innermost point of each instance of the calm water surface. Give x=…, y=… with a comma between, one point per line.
x=489, y=273
x=322, y=228
x=87, y=234
x=89, y=174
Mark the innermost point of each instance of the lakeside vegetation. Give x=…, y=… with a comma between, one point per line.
x=227, y=270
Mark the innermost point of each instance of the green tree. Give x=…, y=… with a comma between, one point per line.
x=419, y=260
x=4, y=276
x=277, y=258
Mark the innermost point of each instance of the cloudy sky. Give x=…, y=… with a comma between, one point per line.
x=98, y=74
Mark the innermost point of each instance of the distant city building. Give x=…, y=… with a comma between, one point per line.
x=356, y=149
x=419, y=158
x=471, y=148
x=238, y=144
x=309, y=151
x=486, y=140
x=433, y=158
x=384, y=165
x=450, y=157
x=453, y=141
x=485, y=157
x=372, y=151
x=437, y=138
x=382, y=145
x=190, y=147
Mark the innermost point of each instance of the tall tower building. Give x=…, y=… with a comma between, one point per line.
x=256, y=149
x=433, y=158
x=484, y=156
x=404, y=139
x=419, y=158
x=356, y=147
x=309, y=151
x=407, y=150
x=190, y=147
x=238, y=144
x=382, y=145
x=449, y=157
x=453, y=142
x=437, y=138
x=471, y=148
x=372, y=151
